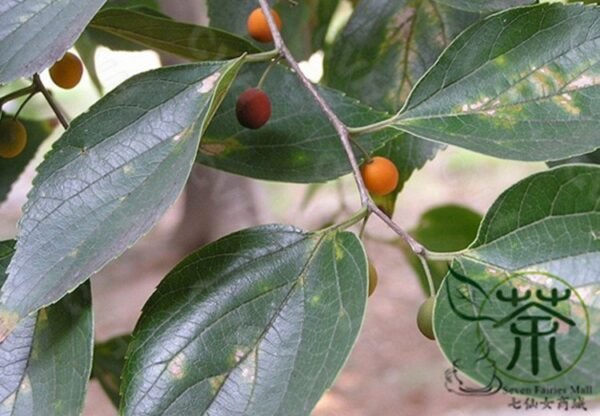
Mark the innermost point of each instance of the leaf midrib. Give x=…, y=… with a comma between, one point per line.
x=463, y=77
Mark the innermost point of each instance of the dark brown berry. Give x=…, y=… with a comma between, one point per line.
x=253, y=108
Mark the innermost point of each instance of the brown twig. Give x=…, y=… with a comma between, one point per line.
x=342, y=131
x=53, y=104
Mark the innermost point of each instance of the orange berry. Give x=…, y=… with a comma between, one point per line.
x=380, y=175
x=258, y=27
x=253, y=108
x=373, y=278
x=13, y=138
x=67, y=72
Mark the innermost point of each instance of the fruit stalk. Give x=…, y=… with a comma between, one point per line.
x=53, y=104
x=16, y=94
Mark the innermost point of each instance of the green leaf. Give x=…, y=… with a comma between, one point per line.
x=109, y=360
x=305, y=25
x=149, y=4
x=484, y=5
x=446, y=228
x=11, y=169
x=542, y=233
x=324, y=11
x=522, y=84
x=108, y=179
x=36, y=33
x=45, y=363
x=86, y=48
x=549, y=220
x=257, y=323
x=162, y=34
x=298, y=144
x=388, y=45
x=382, y=52
x=593, y=158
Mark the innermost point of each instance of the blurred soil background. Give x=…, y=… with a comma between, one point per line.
x=393, y=370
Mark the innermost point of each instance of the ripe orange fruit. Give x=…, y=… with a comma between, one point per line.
x=380, y=175
x=425, y=318
x=258, y=27
x=373, y=278
x=67, y=72
x=13, y=138
x=253, y=108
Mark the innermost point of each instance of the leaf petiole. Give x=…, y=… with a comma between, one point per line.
x=371, y=128
x=354, y=219
x=31, y=89
x=262, y=56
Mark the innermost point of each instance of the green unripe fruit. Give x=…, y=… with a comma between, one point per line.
x=425, y=318
x=372, y=278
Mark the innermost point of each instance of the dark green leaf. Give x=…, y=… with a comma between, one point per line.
x=593, y=158
x=11, y=169
x=257, y=323
x=384, y=49
x=108, y=179
x=549, y=221
x=149, y=4
x=323, y=14
x=45, y=363
x=166, y=35
x=36, y=33
x=109, y=359
x=388, y=45
x=542, y=233
x=86, y=48
x=484, y=5
x=522, y=84
x=446, y=228
x=298, y=144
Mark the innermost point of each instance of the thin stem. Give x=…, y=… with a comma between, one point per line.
x=262, y=56
x=370, y=128
x=19, y=93
x=53, y=104
x=354, y=219
x=266, y=73
x=341, y=130
x=363, y=226
x=449, y=256
x=390, y=241
x=361, y=148
x=423, y=261
x=414, y=245
x=23, y=104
